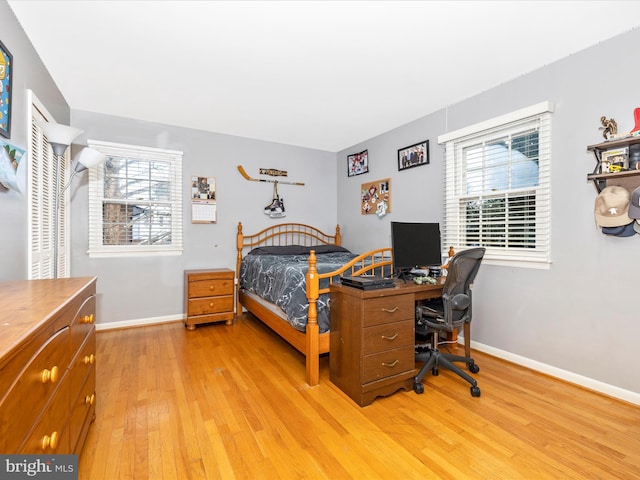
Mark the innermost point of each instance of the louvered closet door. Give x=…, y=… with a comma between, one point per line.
x=42, y=177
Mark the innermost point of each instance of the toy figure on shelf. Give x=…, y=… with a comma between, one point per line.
x=609, y=127
x=636, y=116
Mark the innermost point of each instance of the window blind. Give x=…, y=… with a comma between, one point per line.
x=135, y=201
x=497, y=187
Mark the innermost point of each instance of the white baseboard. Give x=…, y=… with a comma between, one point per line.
x=140, y=322
x=586, y=382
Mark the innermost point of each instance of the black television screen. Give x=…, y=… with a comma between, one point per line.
x=415, y=245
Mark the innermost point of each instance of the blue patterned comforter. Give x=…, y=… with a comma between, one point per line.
x=280, y=279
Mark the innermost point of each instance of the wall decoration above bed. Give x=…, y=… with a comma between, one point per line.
x=375, y=197
x=357, y=163
x=413, y=155
x=276, y=208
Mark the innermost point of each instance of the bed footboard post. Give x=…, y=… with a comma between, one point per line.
x=239, y=242
x=338, y=238
x=312, y=353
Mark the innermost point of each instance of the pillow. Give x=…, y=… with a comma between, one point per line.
x=296, y=249
x=280, y=250
x=329, y=249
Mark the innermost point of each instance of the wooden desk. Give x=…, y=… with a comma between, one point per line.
x=372, y=338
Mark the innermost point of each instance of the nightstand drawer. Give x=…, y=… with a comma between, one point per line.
x=211, y=287
x=388, y=309
x=206, y=306
x=388, y=336
x=387, y=364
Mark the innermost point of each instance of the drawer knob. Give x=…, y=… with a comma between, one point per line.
x=392, y=364
x=211, y=304
x=210, y=287
x=393, y=310
x=87, y=319
x=50, y=375
x=390, y=338
x=50, y=441
x=90, y=399
x=89, y=359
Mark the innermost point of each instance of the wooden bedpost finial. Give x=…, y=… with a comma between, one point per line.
x=338, y=239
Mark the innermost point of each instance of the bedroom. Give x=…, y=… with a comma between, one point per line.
x=565, y=320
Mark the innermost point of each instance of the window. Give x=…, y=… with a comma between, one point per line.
x=497, y=187
x=135, y=202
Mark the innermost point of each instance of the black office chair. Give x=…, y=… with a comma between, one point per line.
x=447, y=314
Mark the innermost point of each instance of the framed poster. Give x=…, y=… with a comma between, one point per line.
x=375, y=197
x=414, y=155
x=203, y=200
x=357, y=163
x=6, y=71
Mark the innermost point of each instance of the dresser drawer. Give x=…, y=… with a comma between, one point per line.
x=82, y=409
x=207, y=306
x=51, y=434
x=388, y=309
x=83, y=322
x=387, y=364
x=388, y=336
x=32, y=388
x=84, y=363
x=211, y=287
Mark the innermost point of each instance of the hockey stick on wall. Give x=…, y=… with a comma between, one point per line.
x=246, y=175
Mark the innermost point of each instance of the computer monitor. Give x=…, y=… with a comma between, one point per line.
x=415, y=245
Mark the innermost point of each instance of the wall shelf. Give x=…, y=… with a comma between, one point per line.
x=629, y=179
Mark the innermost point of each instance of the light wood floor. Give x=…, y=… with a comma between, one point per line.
x=230, y=402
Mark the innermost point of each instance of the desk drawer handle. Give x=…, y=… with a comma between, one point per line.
x=390, y=338
x=395, y=309
x=89, y=359
x=87, y=319
x=392, y=364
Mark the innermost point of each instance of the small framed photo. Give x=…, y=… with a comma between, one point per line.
x=357, y=163
x=614, y=160
x=413, y=155
x=6, y=72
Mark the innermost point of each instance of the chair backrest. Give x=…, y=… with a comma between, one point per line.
x=462, y=271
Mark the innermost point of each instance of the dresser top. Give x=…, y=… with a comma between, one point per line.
x=27, y=305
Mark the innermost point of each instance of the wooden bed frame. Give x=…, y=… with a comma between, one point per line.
x=311, y=343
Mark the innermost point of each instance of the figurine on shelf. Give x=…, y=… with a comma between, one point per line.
x=636, y=116
x=609, y=127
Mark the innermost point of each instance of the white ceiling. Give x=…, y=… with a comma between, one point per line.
x=324, y=75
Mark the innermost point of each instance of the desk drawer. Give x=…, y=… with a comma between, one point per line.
x=388, y=309
x=388, y=336
x=387, y=364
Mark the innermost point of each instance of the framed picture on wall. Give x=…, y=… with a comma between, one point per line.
x=413, y=155
x=357, y=163
x=6, y=72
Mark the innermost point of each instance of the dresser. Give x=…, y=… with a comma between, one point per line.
x=372, y=339
x=47, y=365
x=208, y=296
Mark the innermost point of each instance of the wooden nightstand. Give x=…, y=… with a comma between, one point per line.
x=208, y=296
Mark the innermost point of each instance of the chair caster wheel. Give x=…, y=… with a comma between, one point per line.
x=418, y=388
x=473, y=368
x=475, y=391
x=435, y=372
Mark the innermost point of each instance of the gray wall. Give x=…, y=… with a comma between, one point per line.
x=28, y=73
x=150, y=288
x=580, y=317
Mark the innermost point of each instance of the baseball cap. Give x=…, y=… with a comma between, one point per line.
x=612, y=207
x=622, y=231
x=634, y=206
x=636, y=226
